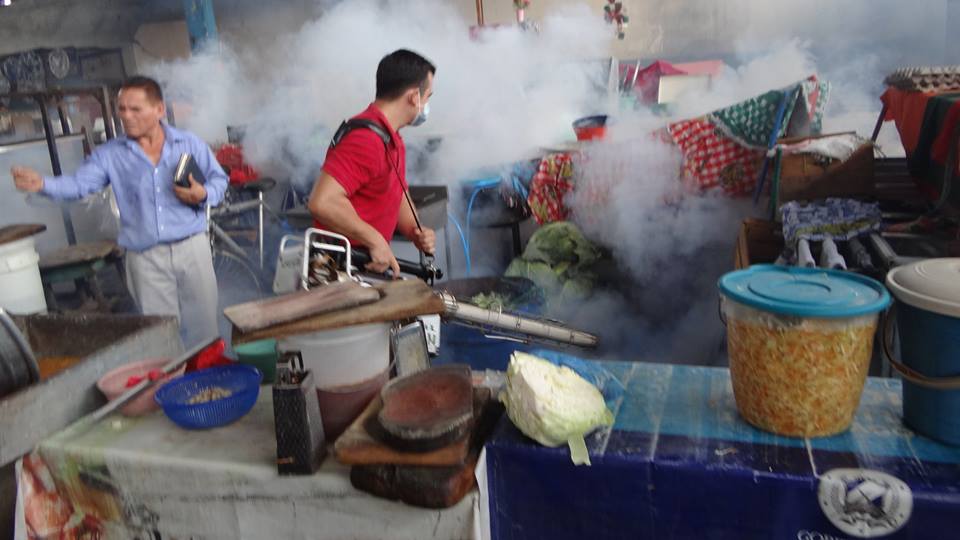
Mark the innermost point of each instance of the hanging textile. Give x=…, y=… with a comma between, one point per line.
x=724, y=149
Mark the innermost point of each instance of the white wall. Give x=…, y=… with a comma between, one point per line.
x=906, y=32
x=901, y=31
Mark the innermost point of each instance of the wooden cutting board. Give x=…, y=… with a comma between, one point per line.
x=401, y=299
x=268, y=312
x=431, y=487
x=11, y=233
x=356, y=446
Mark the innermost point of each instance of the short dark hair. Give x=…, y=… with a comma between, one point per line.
x=400, y=71
x=148, y=85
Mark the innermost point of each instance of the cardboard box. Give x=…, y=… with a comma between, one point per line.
x=759, y=241
x=808, y=177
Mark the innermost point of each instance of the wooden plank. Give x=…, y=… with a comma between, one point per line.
x=268, y=312
x=12, y=233
x=80, y=253
x=401, y=299
x=431, y=487
x=357, y=447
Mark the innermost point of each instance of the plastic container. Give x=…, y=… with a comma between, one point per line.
x=468, y=345
x=345, y=356
x=242, y=383
x=341, y=405
x=928, y=320
x=260, y=354
x=591, y=128
x=349, y=365
x=799, y=342
x=114, y=384
x=21, y=291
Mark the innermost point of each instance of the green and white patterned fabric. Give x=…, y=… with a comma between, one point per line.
x=751, y=122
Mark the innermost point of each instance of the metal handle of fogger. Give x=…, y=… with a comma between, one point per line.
x=424, y=270
x=337, y=243
x=513, y=325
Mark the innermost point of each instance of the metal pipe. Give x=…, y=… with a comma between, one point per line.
x=260, y=225
x=511, y=322
x=879, y=124
x=234, y=208
x=55, y=166
x=64, y=119
x=883, y=249
x=479, y=12
x=636, y=73
x=225, y=238
x=106, y=109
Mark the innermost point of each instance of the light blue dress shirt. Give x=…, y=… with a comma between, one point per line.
x=150, y=213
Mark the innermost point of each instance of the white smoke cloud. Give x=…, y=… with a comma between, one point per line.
x=507, y=93
x=500, y=98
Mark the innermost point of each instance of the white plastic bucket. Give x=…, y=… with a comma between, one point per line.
x=21, y=290
x=345, y=356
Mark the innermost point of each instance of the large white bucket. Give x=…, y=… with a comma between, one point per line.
x=349, y=364
x=21, y=290
x=345, y=356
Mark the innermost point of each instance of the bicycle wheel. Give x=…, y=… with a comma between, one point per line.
x=234, y=274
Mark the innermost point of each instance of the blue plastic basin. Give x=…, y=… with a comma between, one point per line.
x=467, y=345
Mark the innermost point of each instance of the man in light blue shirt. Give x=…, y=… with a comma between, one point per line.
x=162, y=226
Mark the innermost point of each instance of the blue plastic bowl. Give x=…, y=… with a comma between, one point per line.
x=241, y=380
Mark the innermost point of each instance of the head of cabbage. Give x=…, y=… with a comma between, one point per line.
x=552, y=404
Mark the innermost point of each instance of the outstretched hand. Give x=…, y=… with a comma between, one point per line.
x=27, y=179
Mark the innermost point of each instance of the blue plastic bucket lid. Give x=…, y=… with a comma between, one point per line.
x=805, y=292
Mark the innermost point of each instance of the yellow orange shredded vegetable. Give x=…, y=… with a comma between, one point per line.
x=799, y=377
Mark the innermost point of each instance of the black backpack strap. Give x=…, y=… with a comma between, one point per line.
x=359, y=123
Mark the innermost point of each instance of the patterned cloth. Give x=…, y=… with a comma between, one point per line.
x=550, y=185
x=724, y=149
x=751, y=122
x=711, y=159
x=841, y=219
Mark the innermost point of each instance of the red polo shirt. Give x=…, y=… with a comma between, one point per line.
x=372, y=176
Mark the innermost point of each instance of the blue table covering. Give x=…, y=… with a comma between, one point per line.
x=680, y=463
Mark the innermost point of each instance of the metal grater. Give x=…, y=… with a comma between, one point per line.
x=296, y=413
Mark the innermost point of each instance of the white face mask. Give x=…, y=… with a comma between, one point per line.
x=422, y=115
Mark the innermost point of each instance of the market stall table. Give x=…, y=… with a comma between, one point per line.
x=680, y=463
x=145, y=475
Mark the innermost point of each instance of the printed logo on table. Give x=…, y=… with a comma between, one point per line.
x=865, y=503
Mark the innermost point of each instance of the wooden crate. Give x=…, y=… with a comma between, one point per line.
x=803, y=177
x=759, y=241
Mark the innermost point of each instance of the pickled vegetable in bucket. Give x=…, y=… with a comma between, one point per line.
x=799, y=343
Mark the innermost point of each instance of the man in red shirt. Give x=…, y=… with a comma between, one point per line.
x=360, y=191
